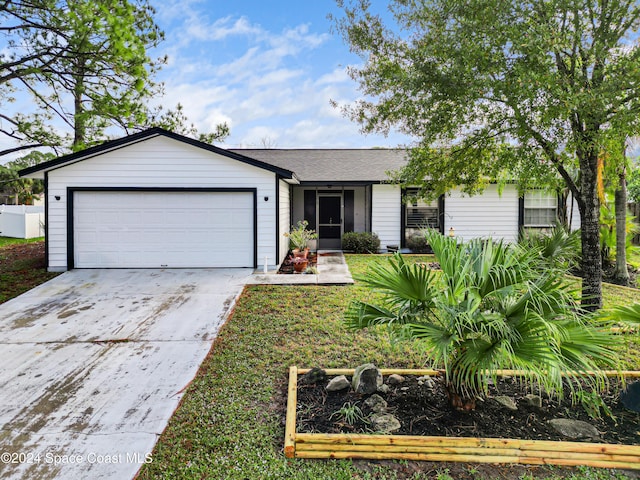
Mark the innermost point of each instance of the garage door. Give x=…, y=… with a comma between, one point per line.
x=125, y=229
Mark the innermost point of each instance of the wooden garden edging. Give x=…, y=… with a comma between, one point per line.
x=449, y=449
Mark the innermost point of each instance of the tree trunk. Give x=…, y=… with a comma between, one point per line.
x=460, y=402
x=79, y=127
x=589, y=205
x=621, y=274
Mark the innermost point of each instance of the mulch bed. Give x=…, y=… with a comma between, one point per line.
x=426, y=411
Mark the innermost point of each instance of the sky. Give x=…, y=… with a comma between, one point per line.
x=270, y=69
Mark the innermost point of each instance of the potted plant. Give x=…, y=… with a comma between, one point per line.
x=300, y=264
x=299, y=238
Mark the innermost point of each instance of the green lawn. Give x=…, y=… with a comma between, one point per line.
x=4, y=241
x=230, y=423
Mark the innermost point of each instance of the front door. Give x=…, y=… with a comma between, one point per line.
x=330, y=221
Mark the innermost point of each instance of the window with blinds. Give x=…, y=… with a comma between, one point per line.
x=420, y=214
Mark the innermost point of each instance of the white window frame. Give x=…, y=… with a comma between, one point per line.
x=535, y=203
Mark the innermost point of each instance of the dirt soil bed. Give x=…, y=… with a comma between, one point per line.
x=22, y=267
x=425, y=411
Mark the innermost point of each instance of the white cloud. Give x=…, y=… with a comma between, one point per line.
x=337, y=75
x=222, y=28
x=264, y=84
x=261, y=137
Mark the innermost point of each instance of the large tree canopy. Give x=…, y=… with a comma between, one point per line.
x=85, y=64
x=105, y=75
x=504, y=88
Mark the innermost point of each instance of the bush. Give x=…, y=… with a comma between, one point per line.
x=360, y=242
x=558, y=248
x=418, y=243
x=490, y=308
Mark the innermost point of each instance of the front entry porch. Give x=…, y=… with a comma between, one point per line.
x=332, y=211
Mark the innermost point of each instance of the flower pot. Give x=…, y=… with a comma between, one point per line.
x=297, y=253
x=300, y=265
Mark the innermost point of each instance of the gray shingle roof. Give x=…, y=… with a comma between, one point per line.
x=332, y=165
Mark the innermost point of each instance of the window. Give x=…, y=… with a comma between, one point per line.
x=420, y=214
x=540, y=209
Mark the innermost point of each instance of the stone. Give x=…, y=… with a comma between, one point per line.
x=384, y=423
x=384, y=388
x=506, y=402
x=376, y=403
x=366, y=379
x=338, y=383
x=630, y=396
x=532, y=400
x=315, y=375
x=427, y=381
x=395, y=379
x=574, y=429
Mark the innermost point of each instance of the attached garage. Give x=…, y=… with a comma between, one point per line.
x=163, y=229
x=156, y=199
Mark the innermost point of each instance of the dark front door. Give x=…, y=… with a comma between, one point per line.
x=330, y=221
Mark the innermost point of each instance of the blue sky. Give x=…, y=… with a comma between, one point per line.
x=267, y=68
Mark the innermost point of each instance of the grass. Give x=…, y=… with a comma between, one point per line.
x=230, y=423
x=4, y=241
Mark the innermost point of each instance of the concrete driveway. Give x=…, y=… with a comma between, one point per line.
x=94, y=362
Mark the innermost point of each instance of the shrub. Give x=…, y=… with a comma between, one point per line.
x=360, y=242
x=558, y=248
x=418, y=243
x=490, y=308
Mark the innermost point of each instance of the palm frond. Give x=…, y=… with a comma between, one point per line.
x=402, y=282
x=492, y=307
x=625, y=314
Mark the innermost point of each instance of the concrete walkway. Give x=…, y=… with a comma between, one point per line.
x=94, y=363
x=332, y=270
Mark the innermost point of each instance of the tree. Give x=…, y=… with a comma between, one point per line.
x=23, y=189
x=633, y=183
x=176, y=121
x=519, y=90
x=22, y=22
x=84, y=62
x=104, y=76
x=492, y=307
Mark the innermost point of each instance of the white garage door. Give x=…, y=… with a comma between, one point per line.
x=124, y=229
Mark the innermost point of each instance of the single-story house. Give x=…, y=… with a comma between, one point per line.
x=156, y=199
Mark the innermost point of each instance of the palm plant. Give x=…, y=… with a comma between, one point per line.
x=559, y=248
x=490, y=308
x=608, y=232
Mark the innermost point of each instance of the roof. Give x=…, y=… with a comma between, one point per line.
x=332, y=165
x=38, y=170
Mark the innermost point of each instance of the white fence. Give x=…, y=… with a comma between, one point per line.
x=21, y=221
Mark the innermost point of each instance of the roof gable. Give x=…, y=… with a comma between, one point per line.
x=145, y=135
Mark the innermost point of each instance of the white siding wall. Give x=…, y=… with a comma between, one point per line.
x=486, y=215
x=385, y=214
x=159, y=162
x=573, y=216
x=285, y=221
